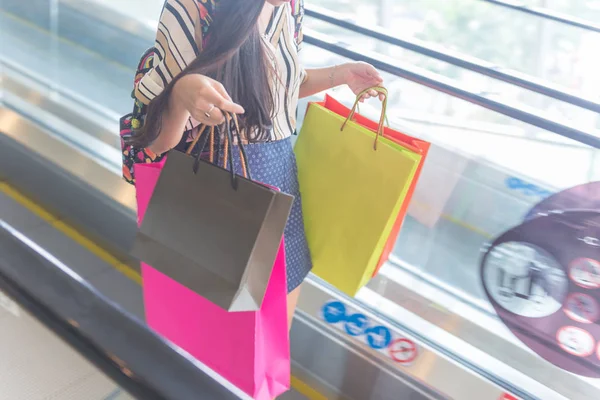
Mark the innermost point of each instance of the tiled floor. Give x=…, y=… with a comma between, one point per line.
x=37, y=365
x=107, y=280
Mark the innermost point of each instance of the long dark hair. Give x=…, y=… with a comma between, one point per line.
x=235, y=56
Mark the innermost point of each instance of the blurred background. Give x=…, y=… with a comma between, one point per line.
x=507, y=93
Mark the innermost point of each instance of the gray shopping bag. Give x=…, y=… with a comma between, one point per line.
x=212, y=231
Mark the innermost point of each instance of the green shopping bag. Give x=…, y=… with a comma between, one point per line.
x=353, y=182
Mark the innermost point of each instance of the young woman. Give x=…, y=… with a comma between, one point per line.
x=241, y=57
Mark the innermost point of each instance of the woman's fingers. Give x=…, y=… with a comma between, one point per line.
x=214, y=117
x=207, y=113
x=372, y=94
x=212, y=103
x=372, y=72
x=218, y=96
x=218, y=86
x=230, y=106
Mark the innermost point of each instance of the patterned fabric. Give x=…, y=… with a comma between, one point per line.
x=274, y=163
x=298, y=13
x=280, y=38
x=183, y=30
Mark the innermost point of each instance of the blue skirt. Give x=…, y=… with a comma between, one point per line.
x=274, y=163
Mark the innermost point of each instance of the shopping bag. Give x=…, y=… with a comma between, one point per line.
x=353, y=183
x=213, y=231
x=417, y=145
x=249, y=349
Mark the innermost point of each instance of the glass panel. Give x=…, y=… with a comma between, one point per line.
x=46, y=44
x=556, y=53
x=588, y=10
x=468, y=129
x=103, y=72
x=37, y=365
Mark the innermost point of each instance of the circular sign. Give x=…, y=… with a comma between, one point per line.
x=334, y=312
x=585, y=272
x=575, y=341
x=542, y=280
x=356, y=324
x=582, y=308
x=379, y=337
x=525, y=280
x=403, y=351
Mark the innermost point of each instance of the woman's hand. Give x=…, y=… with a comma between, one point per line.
x=360, y=76
x=199, y=97
x=204, y=99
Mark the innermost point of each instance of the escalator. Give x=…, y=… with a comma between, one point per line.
x=61, y=338
x=61, y=188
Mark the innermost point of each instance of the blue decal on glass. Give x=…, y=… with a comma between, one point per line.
x=526, y=188
x=357, y=324
x=379, y=337
x=334, y=312
x=514, y=183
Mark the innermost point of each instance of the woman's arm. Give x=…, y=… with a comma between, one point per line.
x=357, y=75
x=193, y=95
x=195, y=98
x=321, y=79
x=174, y=121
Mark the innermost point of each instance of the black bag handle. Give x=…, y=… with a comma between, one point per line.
x=228, y=147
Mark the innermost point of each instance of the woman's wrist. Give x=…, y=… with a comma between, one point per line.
x=341, y=74
x=338, y=75
x=176, y=104
x=174, y=120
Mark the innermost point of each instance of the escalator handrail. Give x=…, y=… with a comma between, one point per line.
x=546, y=13
x=461, y=60
x=452, y=88
x=124, y=349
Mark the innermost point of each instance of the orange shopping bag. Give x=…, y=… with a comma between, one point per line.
x=417, y=145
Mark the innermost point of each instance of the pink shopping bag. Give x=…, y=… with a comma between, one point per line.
x=249, y=349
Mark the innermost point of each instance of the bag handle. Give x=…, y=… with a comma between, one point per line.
x=380, y=129
x=198, y=136
x=228, y=147
x=228, y=158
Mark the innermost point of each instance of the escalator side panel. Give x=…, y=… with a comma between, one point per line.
x=57, y=175
x=347, y=372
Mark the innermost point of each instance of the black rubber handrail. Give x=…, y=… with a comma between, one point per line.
x=547, y=14
x=461, y=60
x=453, y=88
x=120, y=346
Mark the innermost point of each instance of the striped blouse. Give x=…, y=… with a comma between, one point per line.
x=182, y=31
